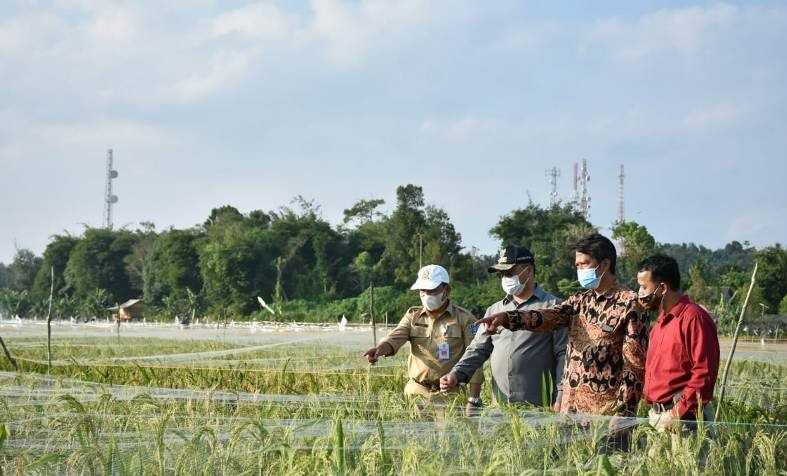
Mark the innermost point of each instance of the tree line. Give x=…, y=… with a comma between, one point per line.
x=310, y=269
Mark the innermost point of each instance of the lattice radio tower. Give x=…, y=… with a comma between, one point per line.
x=584, y=195
x=552, y=176
x=621, y=199
x=109, y=198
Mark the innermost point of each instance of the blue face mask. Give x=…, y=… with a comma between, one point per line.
x=587, y=278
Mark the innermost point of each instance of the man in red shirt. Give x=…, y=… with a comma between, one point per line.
x=683, y=358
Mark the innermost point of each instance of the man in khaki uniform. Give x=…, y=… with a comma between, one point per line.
x=438, y=331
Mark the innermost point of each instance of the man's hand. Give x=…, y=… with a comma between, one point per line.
x=448, y=382
x=494, y=322
x=664, y=421
x=372, y=355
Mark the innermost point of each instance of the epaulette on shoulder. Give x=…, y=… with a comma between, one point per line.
x=414, y=310
x=463, y=311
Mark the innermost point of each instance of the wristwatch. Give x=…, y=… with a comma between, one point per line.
x=515, y=320
x=474, y=401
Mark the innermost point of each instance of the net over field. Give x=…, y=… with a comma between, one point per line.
x=300, y=399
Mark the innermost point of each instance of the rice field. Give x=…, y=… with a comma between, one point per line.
x=298, y=399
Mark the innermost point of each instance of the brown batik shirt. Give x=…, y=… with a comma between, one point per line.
x=607, y=343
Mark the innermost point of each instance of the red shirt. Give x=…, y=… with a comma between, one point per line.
x=683, y=357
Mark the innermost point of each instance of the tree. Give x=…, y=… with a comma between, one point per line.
x=15, y=303
x=172, y=266
x=783, y=306
x=22, y=270
x=56, y=256
x=549, y=234
x=3, y=276
x=637, y=244
x=363, y=211
x=223, y=215
x=314, y=259
x=404, y=235
x=700, y=291
x=772, y=275
x=98, y=262
x=236, y=265
x=135, y=261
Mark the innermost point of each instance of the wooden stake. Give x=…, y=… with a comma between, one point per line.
x=49, y=320
x=371, y=313
x=8, y=355
x=734, y=343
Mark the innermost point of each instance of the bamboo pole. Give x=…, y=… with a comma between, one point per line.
x=49, y=319
x=8, y=355
x=735, y=342
x=371, y=313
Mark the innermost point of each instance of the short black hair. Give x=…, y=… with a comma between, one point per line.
x=599, y=247
x=663, y=269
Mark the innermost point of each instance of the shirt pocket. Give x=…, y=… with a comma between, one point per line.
x=452, y=334
x=419, y=339
x=419, y=332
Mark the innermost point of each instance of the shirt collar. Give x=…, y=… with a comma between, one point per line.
x=677, y=309
x=538, y=293
x=609, y=293
x=448, y=310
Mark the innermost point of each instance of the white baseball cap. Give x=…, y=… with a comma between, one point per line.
x=429, y=277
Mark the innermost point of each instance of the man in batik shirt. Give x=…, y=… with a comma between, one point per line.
x=607, y=335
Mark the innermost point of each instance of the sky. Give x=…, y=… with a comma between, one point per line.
x=209, y=102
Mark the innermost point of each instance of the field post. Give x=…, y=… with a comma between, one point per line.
x=371, y=313
x=734, y=343
x=8, y=355
x=117, y=319
x=49, y=320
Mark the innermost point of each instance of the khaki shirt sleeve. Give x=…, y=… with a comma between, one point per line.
x=467, y=331
x=401, y=333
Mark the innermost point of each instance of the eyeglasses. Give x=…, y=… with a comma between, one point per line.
x=512, y=272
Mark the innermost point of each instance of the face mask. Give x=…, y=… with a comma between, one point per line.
x=512, y=286
x=432, y=302
x=587, y=277
x=651, y=302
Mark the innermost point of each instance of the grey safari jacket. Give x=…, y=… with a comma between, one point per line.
x=519, y=360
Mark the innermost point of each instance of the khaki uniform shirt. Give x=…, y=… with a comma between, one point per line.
x=425, y=334
x=607, y=343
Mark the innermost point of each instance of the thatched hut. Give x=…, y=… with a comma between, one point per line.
x=129, y=310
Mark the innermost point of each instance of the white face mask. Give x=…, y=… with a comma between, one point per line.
x=511, y=285
x=432, y=302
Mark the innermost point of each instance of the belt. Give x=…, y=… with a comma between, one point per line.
x=663, y=407
x=432, y=386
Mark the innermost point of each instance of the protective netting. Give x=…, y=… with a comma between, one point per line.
x=65, y=415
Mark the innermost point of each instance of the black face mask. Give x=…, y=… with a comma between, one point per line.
x=651, y=302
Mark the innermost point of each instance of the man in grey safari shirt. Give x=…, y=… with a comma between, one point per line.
x=520, y=360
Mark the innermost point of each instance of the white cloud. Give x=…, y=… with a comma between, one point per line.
x=225, y=70
x=715, y=116
x=257, y=20
x=352, y=31
x=461, y=129
x=685, y=31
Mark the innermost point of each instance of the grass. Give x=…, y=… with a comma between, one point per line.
x=313, y=408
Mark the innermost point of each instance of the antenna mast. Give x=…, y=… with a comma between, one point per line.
x=621, y=200
x=552, y=175
x=584, y=194
x=109, y=198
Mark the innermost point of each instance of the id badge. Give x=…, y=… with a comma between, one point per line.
x=443, y=351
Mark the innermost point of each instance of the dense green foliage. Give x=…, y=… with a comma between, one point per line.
x=308, y=269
